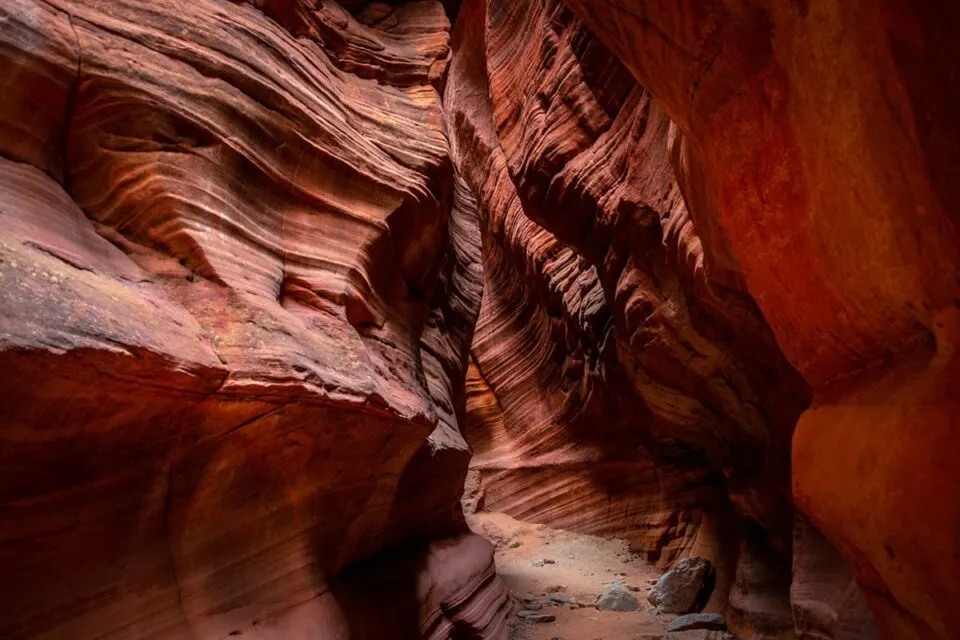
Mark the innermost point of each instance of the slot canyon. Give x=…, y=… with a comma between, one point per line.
x=463, y=320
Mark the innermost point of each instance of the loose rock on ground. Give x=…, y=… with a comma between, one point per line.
x=692, y=621
x=617, y=598
x=678, y=590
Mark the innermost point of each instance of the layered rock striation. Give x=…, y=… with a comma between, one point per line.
x=243, y=247
x=239, y=282
x=827, y=147
x=695, y=223
x=617, y=385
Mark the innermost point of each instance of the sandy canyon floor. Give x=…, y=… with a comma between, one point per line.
x=562, y=573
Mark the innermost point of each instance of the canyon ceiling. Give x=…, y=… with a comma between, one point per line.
x=279, y=277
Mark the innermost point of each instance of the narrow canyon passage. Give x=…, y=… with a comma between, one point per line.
x=571, y=585
x=479, y=319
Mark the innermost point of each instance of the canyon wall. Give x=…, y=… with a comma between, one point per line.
x=617, y=386
x=239, y=282
x=682, y=272
x=673, y=194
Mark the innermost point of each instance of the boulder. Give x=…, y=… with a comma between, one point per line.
x=617, y=598
x=678, y=590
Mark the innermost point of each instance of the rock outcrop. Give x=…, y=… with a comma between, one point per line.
x=239, y=282
x=827, y=603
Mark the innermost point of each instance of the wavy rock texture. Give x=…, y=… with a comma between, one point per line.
x=616, y=387
x=793, y=197
x=240, y=269
x=648, y=259
x=239, y=282
x=824, y=141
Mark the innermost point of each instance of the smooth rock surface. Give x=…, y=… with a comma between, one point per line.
x=823, y=170
x=617, y=386
x=826, y=600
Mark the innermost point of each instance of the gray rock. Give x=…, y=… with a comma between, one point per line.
x=536, y=617
x=617, y=598
x=678, y=589
x=692, y=621
x=561, y=598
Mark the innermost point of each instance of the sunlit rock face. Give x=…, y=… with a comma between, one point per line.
x=239, y=282
x=697, y=218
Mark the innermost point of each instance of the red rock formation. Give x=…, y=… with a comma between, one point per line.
x=238, y=290
x=827, y=603
x=816, y=151
x=618, y=387
x=240, y=269
x=826, y=138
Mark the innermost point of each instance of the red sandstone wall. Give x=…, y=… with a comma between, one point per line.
x=238, y=287
x=780, y=180
x=242, y=251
